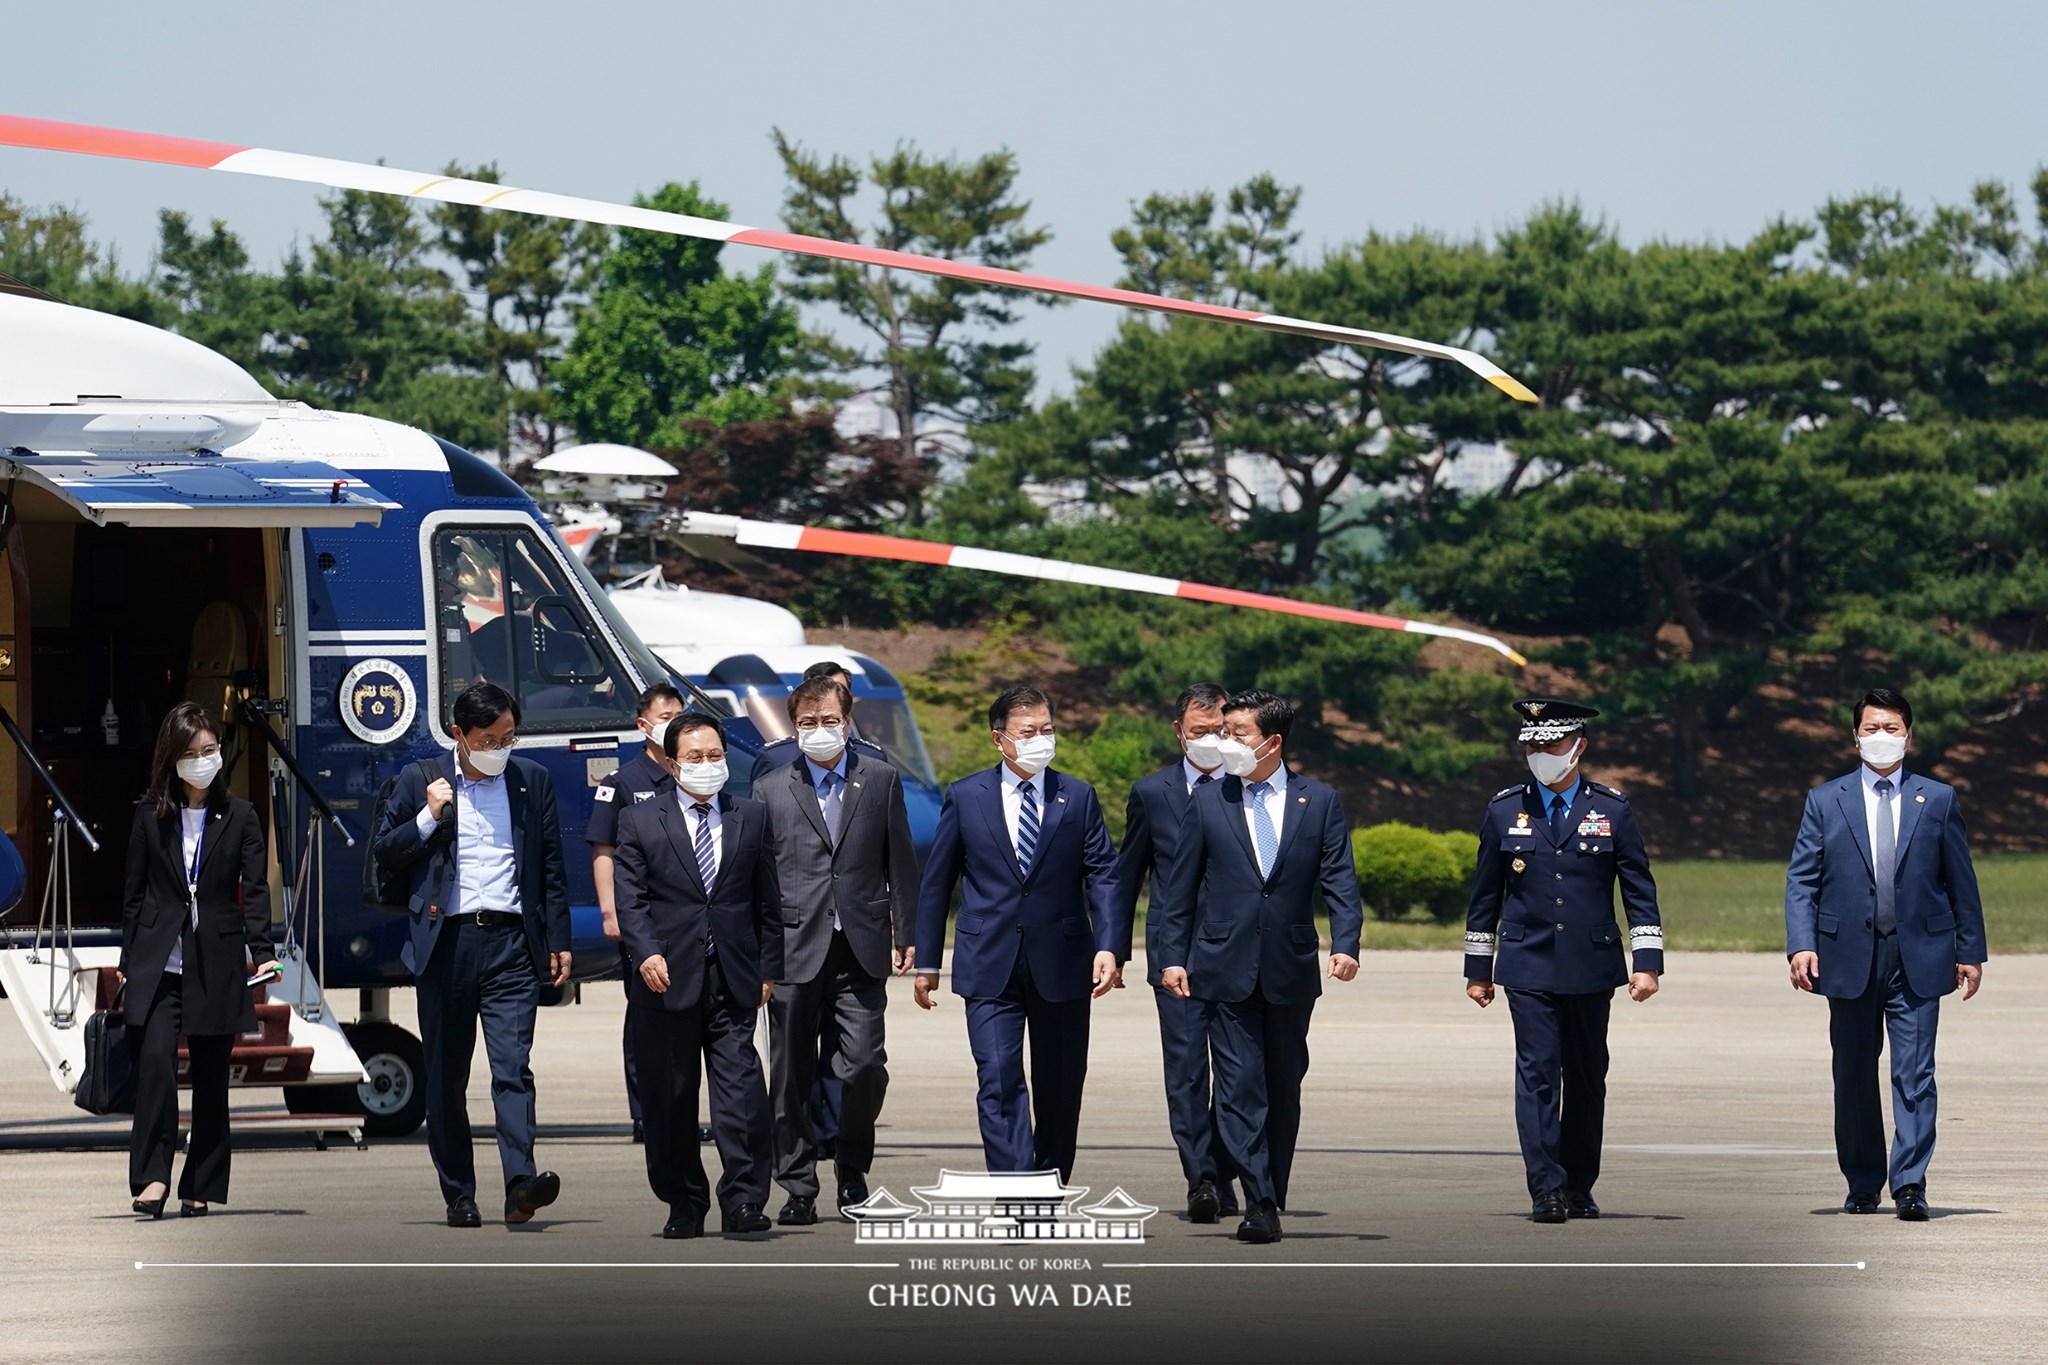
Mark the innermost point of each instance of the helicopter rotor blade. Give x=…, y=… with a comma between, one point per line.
x=88, y=140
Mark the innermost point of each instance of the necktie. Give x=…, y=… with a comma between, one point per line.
x=1263, y=833
x=1558, y=810
x=707, y=862
x=828, y=803
x=1886, y=860
x=1027, y=827
x=1204, y=780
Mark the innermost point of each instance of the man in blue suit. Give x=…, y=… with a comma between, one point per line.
x=1233, y=926
x=1883, y=918
x=481, y=847
x=1152, y=823
x=1036, y=929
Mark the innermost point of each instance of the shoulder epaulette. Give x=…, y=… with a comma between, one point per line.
x=1606, y=790
x=1517, y=789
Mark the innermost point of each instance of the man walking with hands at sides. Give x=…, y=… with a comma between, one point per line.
x=1036, y=937
x=701, y=919
x=1883, y=918
x=1233, y=926
x=1152, y=823
x=1551, y=853
x=481, y=847
x=847, y=875
x=643, y=779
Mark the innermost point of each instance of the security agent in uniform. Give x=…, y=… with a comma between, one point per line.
x=1551, y=852
x=642, y=779
x=827, y=1095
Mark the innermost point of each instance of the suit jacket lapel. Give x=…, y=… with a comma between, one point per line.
x=1050, y=810
x=728, y=836
x=515, y=801
x=1911, y=803
x=1234, y=816
x=807, y=797
x=677, y=828
x=1178, y=798
x=217, y=822
x=990, y=798
x=1849, y=793
x=1291, y=811
x=170, y=841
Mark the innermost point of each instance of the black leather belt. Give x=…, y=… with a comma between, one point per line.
x=491, y=919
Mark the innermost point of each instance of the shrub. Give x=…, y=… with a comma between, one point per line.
x=1402, y=867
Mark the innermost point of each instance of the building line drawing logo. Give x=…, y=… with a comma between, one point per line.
x=1000, y=1206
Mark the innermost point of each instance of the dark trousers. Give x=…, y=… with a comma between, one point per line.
x=154, y=1136
x=676, y=1050
x=1260, y=1050
x=1034, y=1128
x=854, y=1001
x=826, y=1092
x=1560, y=1086
x=478, y=975
x=627, y=1047
x=1857, y=1030
x=1190, y=1101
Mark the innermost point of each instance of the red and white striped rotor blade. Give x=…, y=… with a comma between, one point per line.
x=780, y=535
x=85, y=139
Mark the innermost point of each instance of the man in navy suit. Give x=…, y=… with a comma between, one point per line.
x=701, y=919
x=1152, y=822
x=482, y=850
x=1552, y=854
x=1233, y=926
x=1036, y=936
x=1883, y=918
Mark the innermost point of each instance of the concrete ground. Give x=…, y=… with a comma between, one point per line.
x=1408, y=1240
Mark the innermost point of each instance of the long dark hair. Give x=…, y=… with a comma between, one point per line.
x=166, y=788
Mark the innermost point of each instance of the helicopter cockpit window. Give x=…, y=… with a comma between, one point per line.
x=507, y=613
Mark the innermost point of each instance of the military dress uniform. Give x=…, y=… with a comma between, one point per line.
x=640, y=780
x=1541, y=926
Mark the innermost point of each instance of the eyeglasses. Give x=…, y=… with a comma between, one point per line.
x=491, y=746
x=813, y=722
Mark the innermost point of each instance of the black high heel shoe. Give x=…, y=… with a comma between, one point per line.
x=189, y=1209
x=154, y=1208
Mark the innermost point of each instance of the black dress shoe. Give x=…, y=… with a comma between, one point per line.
x=682, y=1225
x=1911, y=1201
x=1860, y=1203
x=853, y=1189
x=1549, y=1207
x=800, y=1212
x=1228, y=1208
x=747, y=1218
x=1577, y=1205
x=1204, y=1204
x=530, y=1194
x=640, y=1130
x=464, y=1213
x=1261, y=1226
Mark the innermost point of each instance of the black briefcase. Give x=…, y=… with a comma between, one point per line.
x=108, y=1083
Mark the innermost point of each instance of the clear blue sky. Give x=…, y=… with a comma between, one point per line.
x=1672, y=120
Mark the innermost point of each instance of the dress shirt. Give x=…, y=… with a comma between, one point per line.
x=1013, y=800
x=837, y=824
x=1191, y=774
x=690, y=819
x=486, y=868
x=192, y=828
x=1275, y=804
x=1871, y=807
x=1567, y=796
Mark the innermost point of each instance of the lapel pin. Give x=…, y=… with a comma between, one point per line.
x=1920, y=798
x=856, y=786
x=1301, y=800
x=1061, y=799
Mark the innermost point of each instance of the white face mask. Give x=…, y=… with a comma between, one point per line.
x=1881, y=750
x=702, y=779
x=824, y=742
x=1238, y=757
x=1550, y=769
x=200, y=772
x=657, y=732
x=489, y=762
x=1206, y=752
x=1034, y=755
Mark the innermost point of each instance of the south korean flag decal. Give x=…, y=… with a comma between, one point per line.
x=604, y=794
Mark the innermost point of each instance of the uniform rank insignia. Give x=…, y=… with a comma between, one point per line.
x=638, y=797
x=1521, y=823
x=1596, y=826
x=1519, y=866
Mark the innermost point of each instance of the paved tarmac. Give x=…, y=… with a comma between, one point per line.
x=1409, y=1238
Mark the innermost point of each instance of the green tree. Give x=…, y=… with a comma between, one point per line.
x=525, y=275
x=669, y=339
x=934, y=351
x=51, y=250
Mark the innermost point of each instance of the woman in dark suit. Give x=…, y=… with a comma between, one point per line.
x=195, y=914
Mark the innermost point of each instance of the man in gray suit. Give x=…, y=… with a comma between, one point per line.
x=849, y=886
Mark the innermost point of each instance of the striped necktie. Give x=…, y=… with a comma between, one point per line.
x=707, y=862
x=1027, y=827
x=828, y=805
x=1885, y=860
x=1263, y=833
